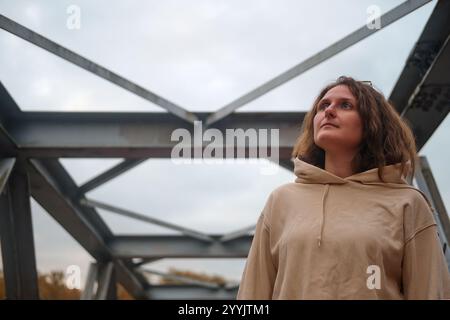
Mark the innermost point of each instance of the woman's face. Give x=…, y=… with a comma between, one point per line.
x=339, y=108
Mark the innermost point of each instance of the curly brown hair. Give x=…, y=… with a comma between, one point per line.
x=387, y=138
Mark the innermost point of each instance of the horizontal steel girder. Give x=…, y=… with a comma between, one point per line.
x=173, y=246
x=140, y=135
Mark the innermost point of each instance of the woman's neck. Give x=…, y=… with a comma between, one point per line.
x=339, y=164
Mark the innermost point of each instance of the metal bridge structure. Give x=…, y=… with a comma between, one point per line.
x=31, y=144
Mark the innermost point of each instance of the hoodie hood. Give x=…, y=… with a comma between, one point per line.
x=310, y=174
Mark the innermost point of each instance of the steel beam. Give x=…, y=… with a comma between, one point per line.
x=109, y=175
x=127, y=213
x=16, y=232
x=51, y=188
x=80, y=61
x=427, y=184
x=8, y=109
x=433, y=192
x=107, y=287
x=339, y=46
x=131, y=135
x=102, y=274
x=238, y=233
x=430, y=103
x=134, y=282
x=6, y=166
x=7, y=148
x=422, y=55
x=89, y=287
x=172, y=246
x=421, y=94
x=149, y=135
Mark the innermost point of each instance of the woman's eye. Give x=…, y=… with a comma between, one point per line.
x=346, y=105
x=323, y=105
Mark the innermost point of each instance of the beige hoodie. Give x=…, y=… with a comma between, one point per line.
x=326, y=237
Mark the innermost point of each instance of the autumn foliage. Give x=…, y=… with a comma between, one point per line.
x=52, y=287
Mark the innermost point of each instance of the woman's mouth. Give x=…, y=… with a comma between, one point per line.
x=328, y=125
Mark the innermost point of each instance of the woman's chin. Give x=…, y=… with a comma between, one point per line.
x=326, y=139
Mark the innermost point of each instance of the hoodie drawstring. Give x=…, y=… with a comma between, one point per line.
x=322, y=221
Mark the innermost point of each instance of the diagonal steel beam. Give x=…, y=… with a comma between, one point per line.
x=51, y=187
x=427, y=184
x=53, y=172
x=109, y=174
x=6, y=166
x=134, y=282
x=7, y=146
x=8, y=109
x=429, y=105
x=339, y=46
x=70, y=56
x=186, y=231
x=237, y=234
x=430, y=41
x=421, y=93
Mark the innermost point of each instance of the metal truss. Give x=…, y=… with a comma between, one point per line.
x=32, y=142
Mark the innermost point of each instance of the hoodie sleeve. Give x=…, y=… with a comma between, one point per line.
x=425, y=273
x=259, y=273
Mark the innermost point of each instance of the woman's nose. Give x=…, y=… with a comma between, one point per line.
x=330, y=110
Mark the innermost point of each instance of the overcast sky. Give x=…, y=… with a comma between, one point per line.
x=200, y=55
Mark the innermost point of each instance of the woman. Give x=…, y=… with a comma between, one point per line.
x=350, y=227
